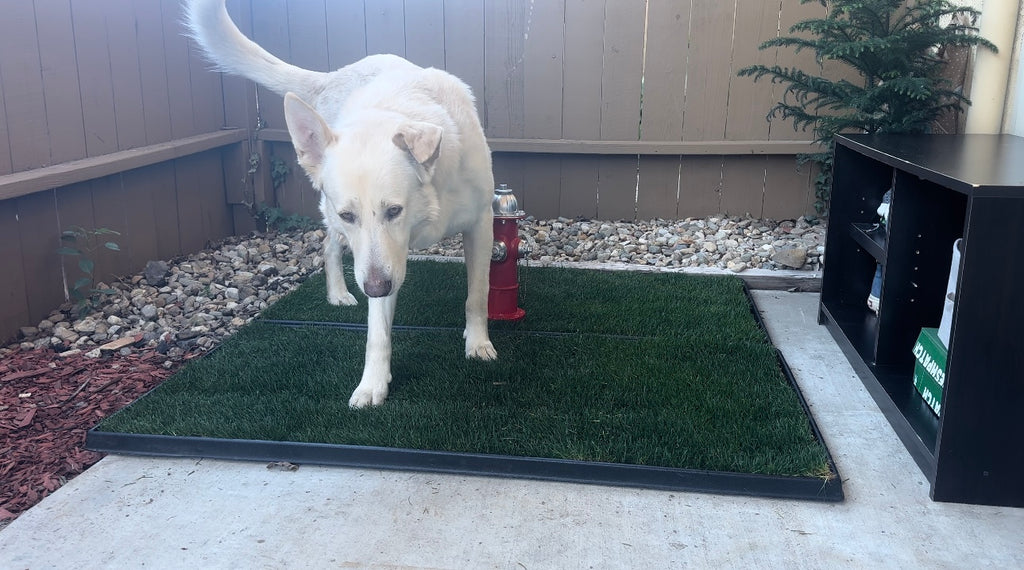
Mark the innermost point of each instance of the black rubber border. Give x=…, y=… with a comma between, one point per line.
x=587, y=472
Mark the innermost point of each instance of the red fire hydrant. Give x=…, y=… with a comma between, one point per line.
x=503, y=296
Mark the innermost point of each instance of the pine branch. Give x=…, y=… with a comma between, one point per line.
x=894, y=46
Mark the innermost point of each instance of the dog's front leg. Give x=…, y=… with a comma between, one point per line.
x=478, y=243
x=373, y=388
x=337, y=292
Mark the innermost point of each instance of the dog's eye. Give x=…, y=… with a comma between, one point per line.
x=393, y=212
x=347, y=217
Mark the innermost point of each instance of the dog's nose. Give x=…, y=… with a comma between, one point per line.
x=377, y=287
x=377, y=284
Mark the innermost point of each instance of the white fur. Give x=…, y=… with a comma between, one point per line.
x=400, y=159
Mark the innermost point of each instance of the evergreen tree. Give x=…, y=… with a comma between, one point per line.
x=894, y=46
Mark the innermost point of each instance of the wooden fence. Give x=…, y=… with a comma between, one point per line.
x=610, y=109
x=108, y=120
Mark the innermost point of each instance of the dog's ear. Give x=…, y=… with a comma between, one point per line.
x=421, y=140
x=310, y=133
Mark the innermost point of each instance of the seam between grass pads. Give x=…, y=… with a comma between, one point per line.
x=362, y=328
x=662, y=381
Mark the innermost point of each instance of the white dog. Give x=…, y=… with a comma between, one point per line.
x=400, y=160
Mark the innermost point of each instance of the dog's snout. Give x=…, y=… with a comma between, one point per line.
x=377, y=287
x=377, y=284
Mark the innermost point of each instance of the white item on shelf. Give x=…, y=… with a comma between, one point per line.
x=947, y=310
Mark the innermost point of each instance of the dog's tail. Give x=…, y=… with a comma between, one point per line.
x=230, y=51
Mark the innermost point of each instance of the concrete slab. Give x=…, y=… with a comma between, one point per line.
x=172, y=513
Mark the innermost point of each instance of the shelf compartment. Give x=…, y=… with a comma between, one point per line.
x=891, y=387
x=871, y=237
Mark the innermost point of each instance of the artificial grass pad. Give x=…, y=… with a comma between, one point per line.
x=662, y=370
x=555, y=299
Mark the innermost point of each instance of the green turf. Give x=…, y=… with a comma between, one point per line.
x=698, y=388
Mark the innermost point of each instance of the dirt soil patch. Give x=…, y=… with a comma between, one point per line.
x=48, y=402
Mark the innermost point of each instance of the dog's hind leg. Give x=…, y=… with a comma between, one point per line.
x=373, y=388
x=478, y=243
x=337, y=292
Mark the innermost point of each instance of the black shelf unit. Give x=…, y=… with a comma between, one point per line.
x=944, y=187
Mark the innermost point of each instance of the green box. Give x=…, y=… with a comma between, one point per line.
x=930, y=368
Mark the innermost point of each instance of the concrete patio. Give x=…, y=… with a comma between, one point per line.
x=173, y=513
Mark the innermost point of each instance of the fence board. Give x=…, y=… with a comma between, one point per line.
x=308, y=35
x=38, y=232
x=270, y=30
x=204, y=88
x=74, y=208
x=153, y=71
x=109, y=212
x=139, y=243
x=541, y=189
x=579, y=186
x=664, y=105
x=504, y=31
x=792, y=11
x=542, y=70
x=346, y=32
x=188, y=183
x=658, y=187
x=464, y=46
x=161, y=181
x=708, y=70
x=743, y=185
x=385, y=27
x=126, y=82
x=700, y=186
x=5, y=145
x=176, y=62
x=620, y=105
x=623, y=70
x=748, y=103
x=240, y=114
x=665, y=72
x=582, y=63
x=508, y=169
x=23, y=88
x=60, y=80
x=216, y=213
x=616, y=190
x=294, y=194
x=96, y=87
x=424, y=33
x=582, y=66
x=789, y=190
x=14, y=311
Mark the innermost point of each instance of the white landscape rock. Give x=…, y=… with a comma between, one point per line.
x=204, y=297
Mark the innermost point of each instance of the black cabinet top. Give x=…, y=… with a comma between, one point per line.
x=976, y=165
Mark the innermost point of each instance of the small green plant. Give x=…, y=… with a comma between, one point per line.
x=895, y=46
x=279, y=171
x=84, y=244
x=274, y=218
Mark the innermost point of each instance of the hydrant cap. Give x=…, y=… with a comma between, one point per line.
x=504, y=202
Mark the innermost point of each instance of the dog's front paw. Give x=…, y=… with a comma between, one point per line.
x=368, y=396
x=345, y=298
x=484, y=351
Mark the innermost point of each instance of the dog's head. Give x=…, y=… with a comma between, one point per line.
x=376, y=175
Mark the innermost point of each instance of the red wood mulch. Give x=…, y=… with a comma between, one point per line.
x=47, y=403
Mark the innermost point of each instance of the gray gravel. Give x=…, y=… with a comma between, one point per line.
x=734, y=243
x=193, y=302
